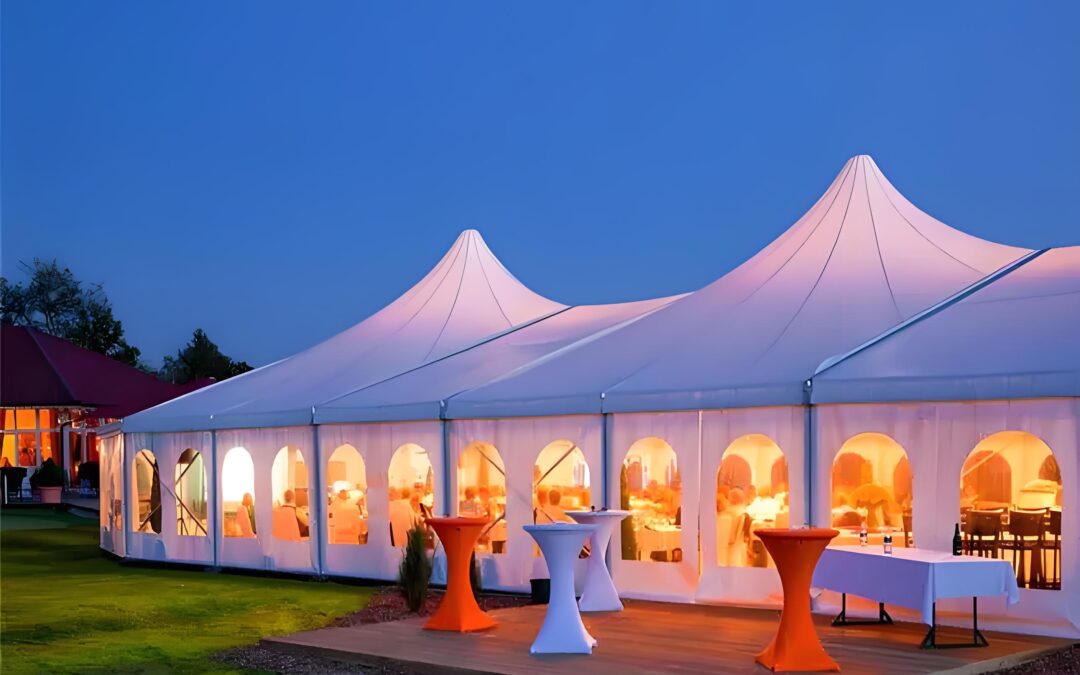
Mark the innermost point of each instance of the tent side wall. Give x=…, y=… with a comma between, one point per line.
x=937, y=438
x=112, y=495
x=519, y=443
x=723, y=578
x=377, y=445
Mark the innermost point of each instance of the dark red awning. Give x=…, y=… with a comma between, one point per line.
x=45, y=371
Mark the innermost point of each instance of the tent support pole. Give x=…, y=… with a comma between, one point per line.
x=605, y=480
x=810, y=447
x=318, y=522
x=216, y=523
x=445, y=425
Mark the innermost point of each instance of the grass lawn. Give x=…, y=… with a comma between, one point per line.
x=65, y=608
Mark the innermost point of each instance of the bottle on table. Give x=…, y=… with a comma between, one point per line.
x=957, y=542
x=888, y=544
x=864, y=538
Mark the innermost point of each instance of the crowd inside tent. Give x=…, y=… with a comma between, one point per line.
x=888, y=373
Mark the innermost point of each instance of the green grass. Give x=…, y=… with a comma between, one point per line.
x=65, y=608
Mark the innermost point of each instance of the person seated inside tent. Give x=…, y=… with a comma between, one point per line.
x=470, y=506
x=244, y=518
x=285, y=523
x=302, y=514
x=402, y=516
x=345, y=520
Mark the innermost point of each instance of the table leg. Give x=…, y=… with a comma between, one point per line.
x=842, y=620
x=977, y=638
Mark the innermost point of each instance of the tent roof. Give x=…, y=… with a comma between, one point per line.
x=467, y=297
x=420, y=393
x=1015, y=337
x=860, y=260
x=40, y=370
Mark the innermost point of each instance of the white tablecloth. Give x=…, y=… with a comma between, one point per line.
x=913, y=577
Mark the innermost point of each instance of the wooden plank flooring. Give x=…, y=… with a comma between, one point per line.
x=652, y=638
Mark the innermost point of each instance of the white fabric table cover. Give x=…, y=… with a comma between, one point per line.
x=913, y=577
x=599, y=593
x=562, y=631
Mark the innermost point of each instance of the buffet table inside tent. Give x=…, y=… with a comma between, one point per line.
x=915, y=578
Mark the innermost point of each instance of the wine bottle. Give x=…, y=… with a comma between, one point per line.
x=957, y=542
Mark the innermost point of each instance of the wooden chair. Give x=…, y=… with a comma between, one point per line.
x=1025, y=536
x=982, y=530
x=1053, y=543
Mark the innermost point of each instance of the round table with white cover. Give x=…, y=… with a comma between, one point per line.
x=599, y=593
x=562, y=631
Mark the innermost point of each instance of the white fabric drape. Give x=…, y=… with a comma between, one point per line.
x=111, y=493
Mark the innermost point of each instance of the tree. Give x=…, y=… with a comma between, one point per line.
x=200, y=358
x=55, y=302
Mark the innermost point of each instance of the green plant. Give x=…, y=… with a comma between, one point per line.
x=48, y=475
x=629, y=538
x=414, y=573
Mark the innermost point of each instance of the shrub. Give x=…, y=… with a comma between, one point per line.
x=628, y=536
x=414, y=573
x=48, y=475
x=89, y=471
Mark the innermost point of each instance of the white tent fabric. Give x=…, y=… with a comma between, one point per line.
x=111, y=493
x=418, y=394
x=861, y=260
x=468, y=297
x=1014, y=338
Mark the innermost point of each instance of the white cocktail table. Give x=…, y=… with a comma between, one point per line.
x=562, y=631
x=599, y=594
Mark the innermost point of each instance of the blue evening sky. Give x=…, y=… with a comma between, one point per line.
x=274, y=172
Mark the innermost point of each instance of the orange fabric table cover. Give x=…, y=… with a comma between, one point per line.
x=796, y=646
x=458, y=610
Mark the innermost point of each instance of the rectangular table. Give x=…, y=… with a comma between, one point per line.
x=915, y=578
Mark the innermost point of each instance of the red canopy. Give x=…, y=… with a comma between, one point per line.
x=44, y=371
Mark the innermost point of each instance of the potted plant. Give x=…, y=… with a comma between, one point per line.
x=49, y=480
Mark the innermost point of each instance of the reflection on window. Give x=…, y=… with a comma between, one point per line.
x=346, y=497
x=651, y=489
x=560, y=484
x=411, y=492
x=289, y=484
x=147, y=506
x=482, y=493
x=871, y=487
x=1010, y=506
x=191, y=494
x=751, y=493
x=238, y=494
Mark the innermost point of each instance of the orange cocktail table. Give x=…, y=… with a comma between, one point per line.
x=458, y=610
x=796, y=645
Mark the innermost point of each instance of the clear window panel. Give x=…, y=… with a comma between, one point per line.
x=871, y=488
x=751, y=493
x=191, y=492
x=650, y=488
x=346, y=497
x=291, y=515
x=411, y=492
x=238, y=494
x=482, y=494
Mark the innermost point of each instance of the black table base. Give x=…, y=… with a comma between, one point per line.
x=930, y=640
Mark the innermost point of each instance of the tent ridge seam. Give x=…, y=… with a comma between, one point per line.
x=877, y=245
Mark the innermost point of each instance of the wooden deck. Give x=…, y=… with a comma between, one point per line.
x=655, y=637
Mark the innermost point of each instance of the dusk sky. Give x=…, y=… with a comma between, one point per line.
x=275, y=172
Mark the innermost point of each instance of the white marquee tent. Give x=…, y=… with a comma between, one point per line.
x=693, y=411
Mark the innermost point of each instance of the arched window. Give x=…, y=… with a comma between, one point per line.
x=289, y=483
x=560, y=484
x=482, y=493
x=238, y=494
x=346, y=497
x=191, y=494
x=1010, y=506
x=751, y=492
x=651, y=489
x=871, y=485
x=411, y=492
x=147, y=483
